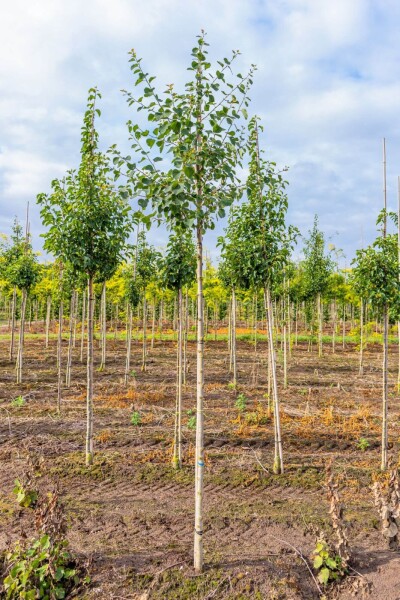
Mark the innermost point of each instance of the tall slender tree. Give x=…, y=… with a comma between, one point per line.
x=201, y=130
x=88, y=224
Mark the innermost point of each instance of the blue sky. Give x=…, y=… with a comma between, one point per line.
x=327, y=89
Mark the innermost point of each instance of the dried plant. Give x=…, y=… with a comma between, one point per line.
x=387, y=500
x=336, y=513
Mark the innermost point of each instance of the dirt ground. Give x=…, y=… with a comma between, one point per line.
x=131, y=515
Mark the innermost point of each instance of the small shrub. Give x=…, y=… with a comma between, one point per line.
x=26, y=497
x=326, y=563
x=241, y=403
x=191, y=424
x=18, y=401
x=41, y=568
x=363, y=444
x=136, y=418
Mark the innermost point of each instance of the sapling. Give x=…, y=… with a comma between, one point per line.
x=89, y=223
x=201, y=130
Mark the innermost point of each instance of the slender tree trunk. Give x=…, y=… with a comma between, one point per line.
x=361, y=369
x=278, y=462
x=116, y=322
x=144, y=355
x=234, y=359
x=128, y=344
x=153, y=323
x=385, y=391
x=103, y=327
x=185, y=336
x=199, y=458
x=59, y=354
x=83, y=316
x=71, y=329
x=89, y=395
x=344, y=326
x=177, y=459
x=160, y=319
x=21, y=336
x=48, y=315
x=13, y=311
x=334, y=326
x=320, y=324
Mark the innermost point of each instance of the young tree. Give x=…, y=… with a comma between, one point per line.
x=376, y=277
x=200, y=128
x=263, y=242
x=177, y=271
x=89, y=222
x=20, y=269
x=317, y=269
x=146, y=260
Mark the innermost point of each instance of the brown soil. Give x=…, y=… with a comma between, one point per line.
x=131, y=514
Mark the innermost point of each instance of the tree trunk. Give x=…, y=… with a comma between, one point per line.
x=83, y=323
x=128, y=343
x=361, y=369
x=177, y=459
x=89, y=395
x=48, y=314
x=70, y=339
x=320, y=324
x=103, y=321
x=144, y=354
x=21, y=336
x=153, y=324
x=233, y=340
x=385, y=390
x=199, y=458
x=59, y=354
x=13, y=311
x=278, y=462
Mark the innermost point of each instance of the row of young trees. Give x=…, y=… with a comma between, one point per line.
x=188, y=148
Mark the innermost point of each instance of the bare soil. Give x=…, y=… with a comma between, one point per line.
x=131, y=514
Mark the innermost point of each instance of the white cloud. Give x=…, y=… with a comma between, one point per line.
x=326, y=88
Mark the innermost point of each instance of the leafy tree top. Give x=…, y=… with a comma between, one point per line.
x=317, y=266
x=87, y=216
x=187, y=156
x=258, y=242
x=178, y=267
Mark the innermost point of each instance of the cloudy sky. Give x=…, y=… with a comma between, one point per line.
x=327, y=89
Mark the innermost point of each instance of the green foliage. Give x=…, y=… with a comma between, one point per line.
x=327, y=563
x=136, y=418
x=147, y=262
x=191, y=424
x=317, y=266
x=363, y=444
x=18, y=401
x=26, y=497
x=241, y=403
x=198, y=131
x=132, y=292
x=39, y=569
x=178, y=267
x=87, y=217
x=376, y=273
x=257, y=242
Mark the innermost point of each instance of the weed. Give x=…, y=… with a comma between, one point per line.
x=136, y=418
x=18, y=401
x=191, y=424
x=241, y=403
x=26, y=497
x=326, y=563
x=363, y=444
